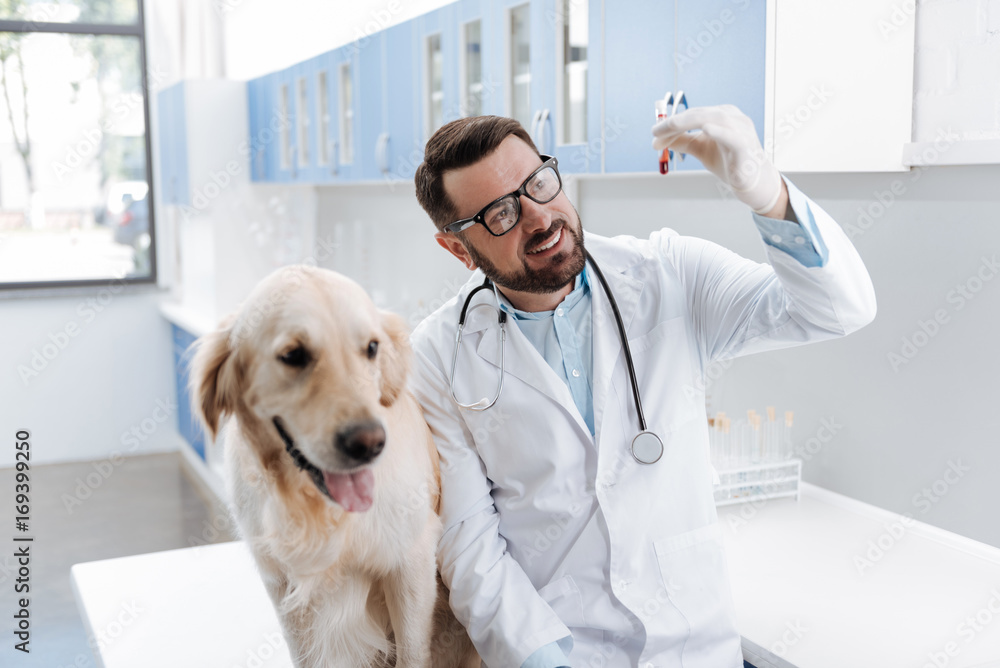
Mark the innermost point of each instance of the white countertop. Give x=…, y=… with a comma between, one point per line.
x=801, y=597
x=811, y=588
x=199, y=607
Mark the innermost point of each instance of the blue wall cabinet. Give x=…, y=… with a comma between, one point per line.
x=187, y=424
x=582, y=76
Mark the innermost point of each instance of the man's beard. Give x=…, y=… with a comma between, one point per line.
x=562, y=269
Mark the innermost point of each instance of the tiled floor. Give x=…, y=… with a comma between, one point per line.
x=84, y=512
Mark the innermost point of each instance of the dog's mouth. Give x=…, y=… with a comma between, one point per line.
x=353, y=490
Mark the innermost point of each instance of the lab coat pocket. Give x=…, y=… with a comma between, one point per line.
x=696, y=578
x=564, y=597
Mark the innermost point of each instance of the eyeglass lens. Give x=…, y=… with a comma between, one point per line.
x=542, y=188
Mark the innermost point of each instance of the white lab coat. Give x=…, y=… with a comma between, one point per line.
x=549, y=533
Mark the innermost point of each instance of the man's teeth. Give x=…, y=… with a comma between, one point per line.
x=549, y=245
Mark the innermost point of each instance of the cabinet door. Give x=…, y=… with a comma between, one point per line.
x=369, y=120
x=720, y=58
x=303, y=85
x=284, y=103
x=344, y=100
x=403, y=149
x=325, y=128
x=639, y=69
x=572, y=126
x=255, y=128
x=437, y=48
x=480, y=86
x=276, y=121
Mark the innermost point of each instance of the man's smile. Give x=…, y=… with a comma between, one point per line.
x=549, y=244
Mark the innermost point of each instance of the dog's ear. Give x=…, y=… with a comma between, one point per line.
x=214, y=382
x=394, y=358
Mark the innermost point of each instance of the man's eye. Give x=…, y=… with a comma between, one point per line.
x=501, y=215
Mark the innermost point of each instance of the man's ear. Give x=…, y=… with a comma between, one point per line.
x=454, y=245
x=393, y=358
x=214, y=382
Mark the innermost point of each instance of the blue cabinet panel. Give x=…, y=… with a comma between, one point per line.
x=369, y=121
x=187, y=424
x=720, y=58
x=491, y=96
x=403, y=149
x=638, y=59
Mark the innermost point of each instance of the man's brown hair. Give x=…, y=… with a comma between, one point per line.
x=458, y=144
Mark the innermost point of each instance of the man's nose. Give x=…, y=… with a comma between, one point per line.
x=535, y=217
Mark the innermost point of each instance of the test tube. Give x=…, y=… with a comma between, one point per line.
x=661, y=107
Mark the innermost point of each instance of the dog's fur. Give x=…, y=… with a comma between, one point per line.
x=351, y=589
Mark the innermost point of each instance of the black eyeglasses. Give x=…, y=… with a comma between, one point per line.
x=501, y=215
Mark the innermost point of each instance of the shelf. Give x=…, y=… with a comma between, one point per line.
x=941, y=152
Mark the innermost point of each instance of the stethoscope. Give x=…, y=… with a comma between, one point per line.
x=647, y=448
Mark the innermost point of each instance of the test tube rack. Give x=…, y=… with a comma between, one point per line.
x=753, y=458
x=759, y=482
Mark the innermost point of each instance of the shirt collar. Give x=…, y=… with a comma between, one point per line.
x=581, y=287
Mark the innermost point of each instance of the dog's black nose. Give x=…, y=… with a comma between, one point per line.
x=362, y=442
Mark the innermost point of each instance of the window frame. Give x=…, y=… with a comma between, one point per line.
x=137, y=30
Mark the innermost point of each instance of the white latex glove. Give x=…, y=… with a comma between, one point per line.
x=727, y=145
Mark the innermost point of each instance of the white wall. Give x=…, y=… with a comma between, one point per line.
x=900, y=423
x=91, y=388
x=897, y=427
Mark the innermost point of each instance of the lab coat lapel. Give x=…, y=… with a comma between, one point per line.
x=608, y=352
x=524, y=362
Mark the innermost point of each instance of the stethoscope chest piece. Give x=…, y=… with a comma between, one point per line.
x=647, y=448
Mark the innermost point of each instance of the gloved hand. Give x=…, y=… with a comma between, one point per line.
x=727, y=145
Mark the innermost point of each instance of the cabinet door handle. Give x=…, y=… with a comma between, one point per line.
x=534, y=126
x=334, y=157
x=382, y=152
x=543, y=119
x=295, y=162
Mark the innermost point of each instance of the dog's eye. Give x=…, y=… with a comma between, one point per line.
x=296, y=357
x=372, y=349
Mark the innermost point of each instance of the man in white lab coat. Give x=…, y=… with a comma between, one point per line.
x=560, y=548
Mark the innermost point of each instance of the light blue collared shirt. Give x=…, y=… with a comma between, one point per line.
x=564, y=338
x=566, y=341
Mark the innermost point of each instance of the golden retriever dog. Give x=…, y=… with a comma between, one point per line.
x=332, y=472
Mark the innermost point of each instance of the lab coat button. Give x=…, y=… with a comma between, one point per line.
x=576, y=373
x=800, y=240
x=559, y=312
x=776, y=238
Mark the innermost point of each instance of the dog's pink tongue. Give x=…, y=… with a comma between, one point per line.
x=353, y=491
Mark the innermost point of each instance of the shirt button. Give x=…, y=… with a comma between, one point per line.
x=576, y=373
x=559, y=312
x=776, y=238
x=800, y=240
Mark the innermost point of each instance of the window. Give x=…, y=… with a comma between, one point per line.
x=573, y=55
x=323, y=114
x=472, y=69
x=74, y=145
x=435, y=89
x=286, y=132
x=302, y=112
x=520, y=65
x=346, y=116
